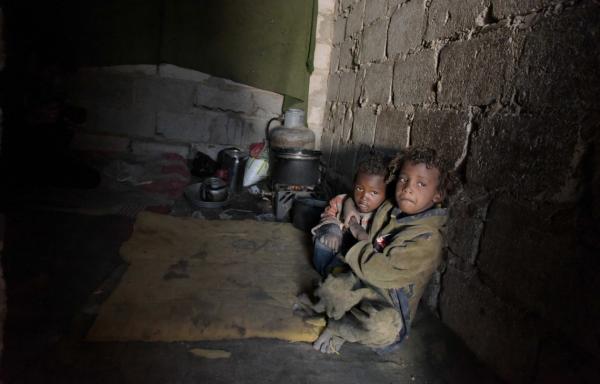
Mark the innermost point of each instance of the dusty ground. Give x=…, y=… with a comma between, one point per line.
x=60, y=266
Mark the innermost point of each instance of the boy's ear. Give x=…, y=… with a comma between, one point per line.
x=437, y=198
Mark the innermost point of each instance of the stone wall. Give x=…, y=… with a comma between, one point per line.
x=508, y=91
x=164, y=108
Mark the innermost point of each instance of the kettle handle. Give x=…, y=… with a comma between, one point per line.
x=267, y=129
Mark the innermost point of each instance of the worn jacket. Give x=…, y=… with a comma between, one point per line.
x=334, y=214
x=401, y=254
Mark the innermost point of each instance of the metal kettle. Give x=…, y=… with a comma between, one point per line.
x=293, y=133
x=213, y=189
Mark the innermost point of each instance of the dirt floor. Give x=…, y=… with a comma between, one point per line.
x=60, y=266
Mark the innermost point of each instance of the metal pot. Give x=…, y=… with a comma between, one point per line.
x=213, y=189
x=295, y=167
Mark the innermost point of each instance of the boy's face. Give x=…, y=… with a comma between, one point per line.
x=369, y=192
x=416, y=188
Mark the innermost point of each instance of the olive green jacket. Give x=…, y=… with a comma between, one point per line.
x=401, y=253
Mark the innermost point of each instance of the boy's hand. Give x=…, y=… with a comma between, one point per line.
x=350, y=212
x=357, y=230
x=331, y=240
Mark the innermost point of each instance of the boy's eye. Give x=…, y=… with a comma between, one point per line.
x=375, y=193
x=420, y=184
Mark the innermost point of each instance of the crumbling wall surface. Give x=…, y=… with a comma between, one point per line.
x=508, y=92
x=165, y=108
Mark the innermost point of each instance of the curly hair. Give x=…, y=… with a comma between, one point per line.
x=427, y=156
x=373, y=164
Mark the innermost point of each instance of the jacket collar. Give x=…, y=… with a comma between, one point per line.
x=431, y=212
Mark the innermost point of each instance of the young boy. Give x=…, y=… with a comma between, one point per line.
x=347, y=218
x=373, y=304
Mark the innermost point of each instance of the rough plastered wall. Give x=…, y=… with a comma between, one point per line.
x=165, y=108
x=508, y=91
x=317, y=88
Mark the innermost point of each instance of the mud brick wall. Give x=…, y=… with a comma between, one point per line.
x=508, y=91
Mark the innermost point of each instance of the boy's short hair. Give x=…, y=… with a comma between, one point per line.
x=427, y=156
x=373, y=164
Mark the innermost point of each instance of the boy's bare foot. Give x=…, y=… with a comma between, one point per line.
x=328, y=342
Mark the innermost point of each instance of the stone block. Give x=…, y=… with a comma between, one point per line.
x=140, y=147
x=346, y=133
x=373, y=42
x=333, y=86
x=558, y=67
x=339, y=29
x=445, y=131
x=466, y=222
x=134, y=122
x=377, y=85
x=315, y=117
x=474, y=72
x=317, y=89
x=322, y=58
x=375, y=9
x=346, y=91
x=326, y=147
x=253, y=129
x=391, y=133
x=160, y=94
x=188, y=127
x=355, y=19
x=504, y=337
x=529, y=157
x=324, y=32
x=528, y=256
x=346, y=3
x=104, y=143
x=347, y=52
x=101, y=89
x=415, y=79
x=231, y=132
x=447, y=17
x=504, y=8
x=363, y=130
x=346, y=164
x=336, y=123
x=334, y=62
x=327, y=7
x=174, y=72
x=406, y=28
x=226, y=95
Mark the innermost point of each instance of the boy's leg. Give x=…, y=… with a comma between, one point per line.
x=375, y=325
x=322, y=257
x=365, y=325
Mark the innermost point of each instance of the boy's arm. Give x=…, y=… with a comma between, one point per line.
x=357, y=230
x=400, y=263
x=349, y=212
x=334, y=208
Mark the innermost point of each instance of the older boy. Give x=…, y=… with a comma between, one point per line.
x=373, y=304
x=348, y=217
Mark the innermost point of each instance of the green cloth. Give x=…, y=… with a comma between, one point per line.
x=267, y=44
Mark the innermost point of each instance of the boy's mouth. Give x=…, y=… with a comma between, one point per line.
x=363, y=206
x=405, y=199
